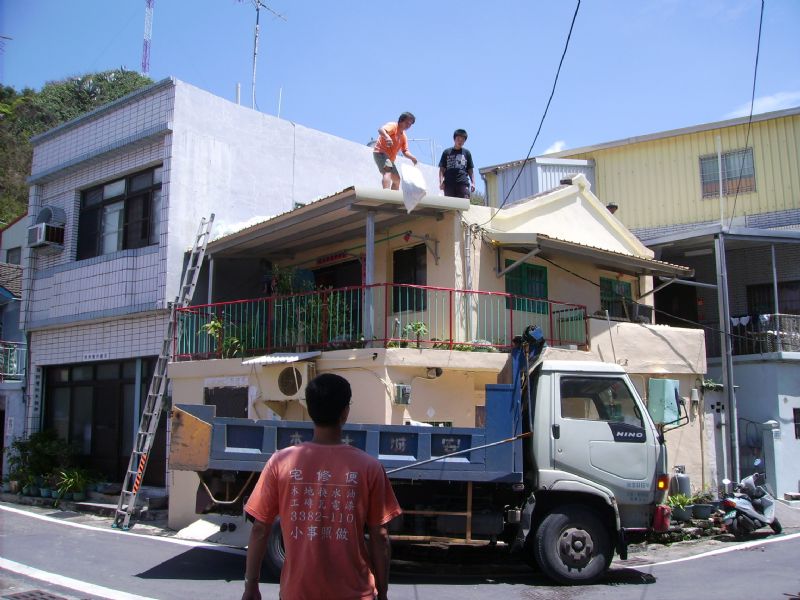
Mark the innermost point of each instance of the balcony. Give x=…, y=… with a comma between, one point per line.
x=758, y=334
x=13, y=358
x=380, y=315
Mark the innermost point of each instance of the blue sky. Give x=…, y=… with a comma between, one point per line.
x=633, y=66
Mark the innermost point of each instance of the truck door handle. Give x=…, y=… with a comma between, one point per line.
x=556, y=431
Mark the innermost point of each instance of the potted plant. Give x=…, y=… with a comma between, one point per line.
x=681, y=506
x=72, y=484
x=702, y=502
x=49, y=486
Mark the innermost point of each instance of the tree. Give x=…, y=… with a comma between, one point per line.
x=27, y=113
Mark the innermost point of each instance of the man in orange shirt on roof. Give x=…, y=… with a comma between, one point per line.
x=391, y=140
x=326, y=493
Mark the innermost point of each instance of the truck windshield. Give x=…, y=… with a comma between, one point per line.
x=599, y=399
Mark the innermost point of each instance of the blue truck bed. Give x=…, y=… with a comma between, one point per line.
x=246, y=445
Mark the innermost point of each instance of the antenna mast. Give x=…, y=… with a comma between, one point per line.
x=148, y=34
x=259, y=5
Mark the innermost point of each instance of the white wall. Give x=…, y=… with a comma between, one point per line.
x=768, y=389
x=241, y=164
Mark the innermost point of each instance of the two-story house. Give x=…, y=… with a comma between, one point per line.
x=721, y=198
x=417, y=310
x=116, y=199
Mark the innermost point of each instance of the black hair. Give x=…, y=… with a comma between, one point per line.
x=327, y=396
x=461, y=132
x=406, y=116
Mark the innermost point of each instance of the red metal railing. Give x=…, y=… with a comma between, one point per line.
x=389, y=315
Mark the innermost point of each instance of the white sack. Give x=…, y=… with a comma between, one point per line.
x=412, y=182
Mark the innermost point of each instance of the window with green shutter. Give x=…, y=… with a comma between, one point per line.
x=616, y=297
x=527, y=283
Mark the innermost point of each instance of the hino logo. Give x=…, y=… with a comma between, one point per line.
x=626, y=433
x=629, y=434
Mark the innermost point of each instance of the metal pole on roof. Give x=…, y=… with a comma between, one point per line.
x=369, y=278
x=726, y=353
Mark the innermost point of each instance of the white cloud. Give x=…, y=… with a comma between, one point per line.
x=778, y=101
x=556, y=146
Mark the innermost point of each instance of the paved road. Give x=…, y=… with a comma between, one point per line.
x=80, y=560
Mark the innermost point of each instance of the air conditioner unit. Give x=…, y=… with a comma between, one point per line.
x=287, y=381
x=402, y=393
x=45, y=234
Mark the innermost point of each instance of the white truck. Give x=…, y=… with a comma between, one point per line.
x=568, y=470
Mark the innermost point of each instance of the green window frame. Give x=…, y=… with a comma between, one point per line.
x=528, y=284
x=616, y=296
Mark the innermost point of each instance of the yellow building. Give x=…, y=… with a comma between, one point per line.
x=667, y=180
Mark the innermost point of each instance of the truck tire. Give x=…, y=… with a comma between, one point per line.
x=776, y=526
x=572, y=546
x=276, y=553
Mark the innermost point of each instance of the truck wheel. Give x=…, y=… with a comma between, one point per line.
x=572, y=546
x=276, y=553
x=776, y=526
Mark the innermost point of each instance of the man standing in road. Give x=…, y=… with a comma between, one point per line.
x=325, y=493
x=456, y=176
x=391, y=140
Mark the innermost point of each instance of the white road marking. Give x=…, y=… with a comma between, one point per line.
x=109, y=529
x=741, y=546
x=69, y=582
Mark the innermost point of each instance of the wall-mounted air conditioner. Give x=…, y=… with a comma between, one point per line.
x=287, y=381
x=44, y=234
x=402, y=393
x=49, y=228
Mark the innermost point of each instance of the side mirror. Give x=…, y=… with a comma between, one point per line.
x=757, y=462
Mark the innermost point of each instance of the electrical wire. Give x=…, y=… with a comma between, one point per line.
x=750, y=118
x=541, y=122
x=711, y=328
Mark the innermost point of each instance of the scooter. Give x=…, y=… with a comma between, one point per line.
x=750, y=507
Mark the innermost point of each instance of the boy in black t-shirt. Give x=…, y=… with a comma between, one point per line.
x=455, y=168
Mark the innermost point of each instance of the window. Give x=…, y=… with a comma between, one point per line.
x=14, y=256
x=527, y=282
x=409, y=267
x=616, y=297
x=796, y=412
x=121, y=214
x=761, y=298
x=599, y=399
x=738, y=173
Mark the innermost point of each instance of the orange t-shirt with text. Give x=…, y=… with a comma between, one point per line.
x=399, y=141
x=325, y=496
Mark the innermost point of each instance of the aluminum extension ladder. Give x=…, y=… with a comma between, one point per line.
x=158, y=385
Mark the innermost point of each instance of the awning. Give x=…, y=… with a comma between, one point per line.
x=279, y=358
x=325, y=222
x=552, y=248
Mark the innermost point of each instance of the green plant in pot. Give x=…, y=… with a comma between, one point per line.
x=72, y=484
x=703, y=504
x=681, y=506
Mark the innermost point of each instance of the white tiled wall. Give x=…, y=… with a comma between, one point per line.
x=115, y=339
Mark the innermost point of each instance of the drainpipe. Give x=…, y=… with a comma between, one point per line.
x=778, y=327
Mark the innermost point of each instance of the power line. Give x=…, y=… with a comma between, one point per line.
x=546, y=108
x=750, y=118
x=659, y=311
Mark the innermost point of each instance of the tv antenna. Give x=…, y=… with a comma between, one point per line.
x=258, y=4
x=148, y=34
